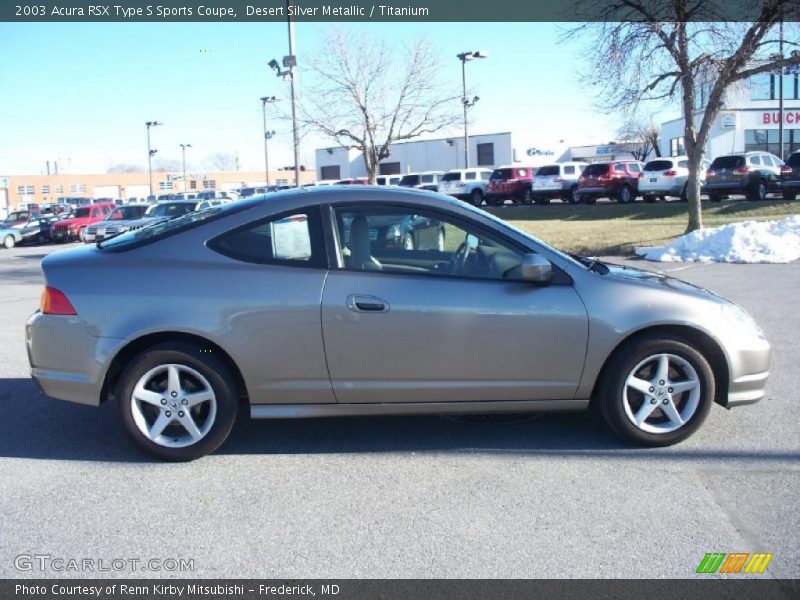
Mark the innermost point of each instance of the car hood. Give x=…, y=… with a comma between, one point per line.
x=642, y=278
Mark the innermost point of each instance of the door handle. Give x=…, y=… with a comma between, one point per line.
x=361, y=303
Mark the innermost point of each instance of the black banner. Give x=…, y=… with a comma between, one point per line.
x=384, y=10
x=439, y=589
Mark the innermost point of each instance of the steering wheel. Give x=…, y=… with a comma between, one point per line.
x=459, y=259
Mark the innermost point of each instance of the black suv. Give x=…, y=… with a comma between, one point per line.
x=753, y=174
x=790, y=177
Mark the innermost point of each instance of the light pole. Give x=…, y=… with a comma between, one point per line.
x=150, y=153
x=268, y=135
x=289, y=63
x=183, y=152
x=464, y=57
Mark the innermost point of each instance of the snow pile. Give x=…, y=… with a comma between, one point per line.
x=746, y=242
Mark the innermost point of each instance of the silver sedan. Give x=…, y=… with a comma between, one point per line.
x=375, y=301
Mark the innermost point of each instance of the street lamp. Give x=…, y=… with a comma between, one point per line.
x=183, y=152
x=464, y=57
x=150, y=153
x=268, y=135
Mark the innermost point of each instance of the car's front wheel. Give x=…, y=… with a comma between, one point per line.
x=656, y=391
x=476, y=197
x=176, y=401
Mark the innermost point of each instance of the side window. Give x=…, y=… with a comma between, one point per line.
x=755, y=160
x=522, y=172
x=290, y=239
x=569, y=170
x=619, y=168
x=416, y=242
x=634, y=167
x=470, y=175
x=768, y=161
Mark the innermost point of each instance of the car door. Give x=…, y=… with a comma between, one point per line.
x=448, y=325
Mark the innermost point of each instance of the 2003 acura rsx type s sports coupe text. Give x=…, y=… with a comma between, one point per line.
x=369, y=301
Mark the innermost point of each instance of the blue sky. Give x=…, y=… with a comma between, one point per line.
x=82, y=92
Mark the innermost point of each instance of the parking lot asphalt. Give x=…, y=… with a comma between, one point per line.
x=412, y=497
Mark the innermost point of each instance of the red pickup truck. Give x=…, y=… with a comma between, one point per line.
x=83, y=216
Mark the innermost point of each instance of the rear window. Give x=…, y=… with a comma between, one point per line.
x=597, y=169
x=451, y=176
x=794, y=160
x=658, y=165
x=501, y=174
x=170, y=209
x=727, y=162
x=409, y=180
x=427, y=179
x=548, y=170
x=683, y=164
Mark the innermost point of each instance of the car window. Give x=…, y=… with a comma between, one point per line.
x=569, y=170
x=501, y=174
x=453, y=176
x=595, y=170
x=658, y=165
x=727, y=162
x=417, y=242
x=470, y=175
x=547, y=171
x=755, y=160
x=426, y=179
x=82, y=213
x=522, y=172
x=634, y=167
x=794, y=160
x=289, y=239
x=684, y=164
x=619, y=168
x=409, y=180
x=769, y=160
x=485, y=175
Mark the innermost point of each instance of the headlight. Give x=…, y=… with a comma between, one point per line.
x=741, y=320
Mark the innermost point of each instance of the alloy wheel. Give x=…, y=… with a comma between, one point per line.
x=173, y=405
x=661, y=393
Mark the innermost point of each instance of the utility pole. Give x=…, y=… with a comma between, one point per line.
x=183, y=151
x=291, y=62
x=267, y=134
x=464, y=57
x=150, y=153
x=780, y=90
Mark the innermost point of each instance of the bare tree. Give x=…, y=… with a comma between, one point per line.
x=641, y=136
x=659, y=49
x=166, y=165
x=222, y=161
x=365, y=95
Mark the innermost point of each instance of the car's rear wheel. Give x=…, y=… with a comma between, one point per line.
x=624, y=195
x=9, y=241
x=656, y=391
x=526, y=197
x=176, y=401
x=685, y=193
x=476, y=197
x=574, y=197
x=758, y=192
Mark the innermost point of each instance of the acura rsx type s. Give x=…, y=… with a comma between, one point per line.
x=313, y=303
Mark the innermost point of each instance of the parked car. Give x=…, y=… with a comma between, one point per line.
x=388, y=179
x=9, y=236
x=559, y=180
x=32, y=227
x=468, y=185
x=790, y=177
x=75, y=200
x=278, y=313
x=211, y=195
x=352, y=181
x=53, y=209
x=74, y=227
x=510, y=183
x=321, y=182
x=753, y=174
x=618, y=180
x=429, y=180
x=117, y=222
x=667, y=176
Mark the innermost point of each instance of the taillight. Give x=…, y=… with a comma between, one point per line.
x=710, y=173
x=786, y=170
x=670, y=173
x=54, y=302
x=742, y=170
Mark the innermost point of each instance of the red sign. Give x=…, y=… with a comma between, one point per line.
x=790, y=118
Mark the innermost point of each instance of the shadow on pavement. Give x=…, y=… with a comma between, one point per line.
x=33, y=426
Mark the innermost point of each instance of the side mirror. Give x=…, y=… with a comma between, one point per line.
x=536, y=268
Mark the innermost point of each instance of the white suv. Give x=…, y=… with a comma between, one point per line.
x=559, y=180
x=427, y=180
x=465, y=184
x=667, y=176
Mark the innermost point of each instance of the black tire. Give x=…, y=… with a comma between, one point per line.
x=9, y=242
x=526, y=197
x=685, y=193
x=758, y=192
x=574, y=197
x=649, y=198
x=712, y=197
x=215, y=371
x=789, y=195
x=476, y=197
x=625, y=195
x=498, y=200
x=542, y=200
x=611, y=388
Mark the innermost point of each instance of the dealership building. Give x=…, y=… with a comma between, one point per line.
x=748, y=119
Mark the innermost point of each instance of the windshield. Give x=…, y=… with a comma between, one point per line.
x=409, y=180
x=547, y=171
x=727, y=162
x=596, y=169
x=658, y=165
x=166, y=228
x=500, y=174
x=170, y=209
x=81, y=213
x=127, y=213
x=452, y=176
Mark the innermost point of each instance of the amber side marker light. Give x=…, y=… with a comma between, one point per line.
x=54, y=302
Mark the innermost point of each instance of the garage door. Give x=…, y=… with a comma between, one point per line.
x=106, y=191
